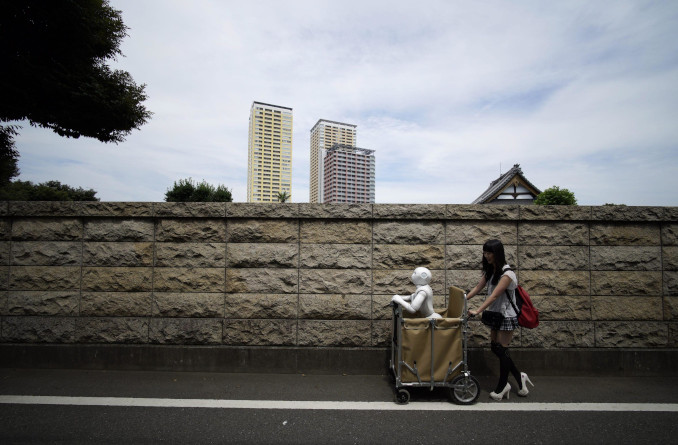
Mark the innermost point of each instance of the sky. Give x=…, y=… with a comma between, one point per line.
x=450, y=94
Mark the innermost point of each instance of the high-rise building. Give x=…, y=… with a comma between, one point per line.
x=348, y=174
x=269, y=163
x=324, y=135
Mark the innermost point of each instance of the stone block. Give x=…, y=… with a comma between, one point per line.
x=556, y=282
x=553, y=234
x=190, y=231
x=631, y=334
x=38, y=329
x=265, y=306
x=45, y=208
x=471, y=256
x=117, y=209
x=625, y=234
x=391, y=282
x=4, y=277
x=262, y=210
x=669, y=234
x=554, y=257
x=119, y=230
x=381, y=333
x=555, y=213
x=190, y=255
x=117, y=254
x=463, y=279
x=190, y=209
x=335, y=232
x=197, y=279
x=46, y=253
x=409, y=211
x=5, y=229
x=335, y=333
x=381, y=310
x=335, y=306
x=625, y=258
x=626, y=308
x=53, y=229
x=185, y=331
x=478, y=232
x=394, y=256
x=109, y=330
x=116, y=304
x=623, y=283
x=627, y=213
x=670, y=258
x=559, y=334
x=44, y=278
x=335, y=211
x=43, y=303
x=263, y=231
x=4, y=208
x=188, y=304
x=335, y=281
x=563, y=307
x=3, y=303
x=260, y=332
x=263, y=255
x=482, y=212
x=335, y=256
x=117, y=279
x=479, y=336
x=4, y=253
x=673, y=335
x=670, y=307
x=268, y=280
x=671, y=283
x=408, y=232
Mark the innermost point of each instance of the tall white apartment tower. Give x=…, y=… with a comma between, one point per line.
x=324, y=135
x=269, y=163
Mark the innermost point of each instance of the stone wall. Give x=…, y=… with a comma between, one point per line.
x=318, y=276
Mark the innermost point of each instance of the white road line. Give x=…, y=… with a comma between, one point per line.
x=328, y=405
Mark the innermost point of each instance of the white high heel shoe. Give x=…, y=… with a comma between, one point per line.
x=524, y=380
x=498, y=397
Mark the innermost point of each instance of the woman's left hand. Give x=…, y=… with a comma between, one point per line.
x=472, y=313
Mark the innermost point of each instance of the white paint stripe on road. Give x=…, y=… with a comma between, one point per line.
x=328, y=405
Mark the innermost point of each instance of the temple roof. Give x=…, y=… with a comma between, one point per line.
x=509, y=180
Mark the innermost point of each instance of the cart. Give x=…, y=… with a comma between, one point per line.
x=433, y=352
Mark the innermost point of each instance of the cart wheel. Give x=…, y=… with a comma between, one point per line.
x=465, y=390
x=402, y=397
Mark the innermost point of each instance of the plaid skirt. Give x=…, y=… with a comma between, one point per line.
x=506, y=324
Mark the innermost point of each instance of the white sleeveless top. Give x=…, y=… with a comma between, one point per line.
x=502, y=304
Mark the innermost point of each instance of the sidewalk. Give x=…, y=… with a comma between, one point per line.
x=301, y=387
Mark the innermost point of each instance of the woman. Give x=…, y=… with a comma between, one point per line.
x=499, y=278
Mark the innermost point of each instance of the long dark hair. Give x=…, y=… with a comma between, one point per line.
x=497, y=248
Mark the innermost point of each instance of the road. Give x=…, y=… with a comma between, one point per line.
x=76, y=406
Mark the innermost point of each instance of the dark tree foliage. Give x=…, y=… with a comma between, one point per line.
x=186, y=190
x=556, y=196
x=54, y=72
x=46, y=191
x=8, y=155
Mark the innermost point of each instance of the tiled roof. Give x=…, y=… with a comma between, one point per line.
x=499, y=184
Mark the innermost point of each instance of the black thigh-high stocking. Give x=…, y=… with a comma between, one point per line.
x=506, y=365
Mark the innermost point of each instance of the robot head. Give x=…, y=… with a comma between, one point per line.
x=421, y=276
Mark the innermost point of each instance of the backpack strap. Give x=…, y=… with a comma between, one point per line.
x=509, y=298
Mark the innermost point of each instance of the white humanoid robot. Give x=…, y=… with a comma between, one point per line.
x=422, y=299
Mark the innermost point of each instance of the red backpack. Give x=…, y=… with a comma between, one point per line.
x=528, y=315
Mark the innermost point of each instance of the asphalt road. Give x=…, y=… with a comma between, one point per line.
x=558, y=410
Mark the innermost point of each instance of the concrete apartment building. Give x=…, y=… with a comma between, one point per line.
x=348, y=174
x=269, y=163
x=324, y=135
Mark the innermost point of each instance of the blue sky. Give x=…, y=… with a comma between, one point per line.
x=581, y=94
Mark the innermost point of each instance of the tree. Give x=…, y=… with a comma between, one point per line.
x=556, y=196
x=283, y=196
x=46, y=191
x=186, y=190
x=54, y=71
x=8, y=155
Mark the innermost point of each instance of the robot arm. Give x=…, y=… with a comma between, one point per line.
x=417, y=299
